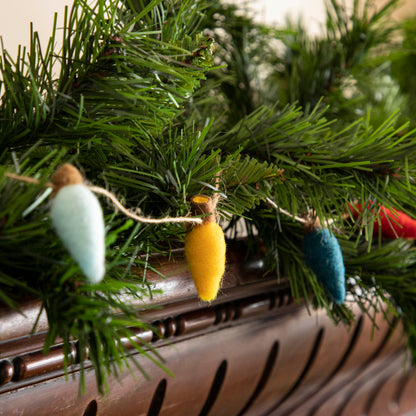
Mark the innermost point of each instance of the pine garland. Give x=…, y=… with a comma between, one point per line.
x=142, y=103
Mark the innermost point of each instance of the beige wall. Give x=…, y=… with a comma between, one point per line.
x=407, y=9
x=16, y=16
x=276, y=11
x=313, y=11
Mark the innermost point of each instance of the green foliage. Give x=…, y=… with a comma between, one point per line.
x=119, y=86
x=401, y=63
x=134, y=100
x=345, y=66
x=332, y=113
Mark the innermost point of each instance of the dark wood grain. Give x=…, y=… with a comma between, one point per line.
x=254, y=351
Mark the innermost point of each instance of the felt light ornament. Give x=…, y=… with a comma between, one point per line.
x=78, y=220
x=323, y=255
x=205, y=249
x=391, y=223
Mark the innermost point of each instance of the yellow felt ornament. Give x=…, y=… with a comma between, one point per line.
x=205, y=250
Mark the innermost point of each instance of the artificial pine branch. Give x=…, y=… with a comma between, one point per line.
x=346, y=140
x=116, y=88
x=139, y=107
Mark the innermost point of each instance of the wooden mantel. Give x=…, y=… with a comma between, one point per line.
x=254, y=351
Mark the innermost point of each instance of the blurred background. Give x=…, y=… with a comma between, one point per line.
x=16, y=16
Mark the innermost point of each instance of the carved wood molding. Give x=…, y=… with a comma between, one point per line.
x=17, y=370
x=252, y=352
x=245, y=293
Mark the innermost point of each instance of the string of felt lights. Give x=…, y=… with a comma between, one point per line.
x=78, y=219
x=321, y=248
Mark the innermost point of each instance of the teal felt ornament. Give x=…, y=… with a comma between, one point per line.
x=323, y=255
x=78, y=219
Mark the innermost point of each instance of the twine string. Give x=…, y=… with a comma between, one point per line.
x=306, y=221
x=27, y=179
x=138, y=218
x=114, y=200
x=283, y=211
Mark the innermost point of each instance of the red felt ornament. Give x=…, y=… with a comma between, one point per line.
x=390, y=222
